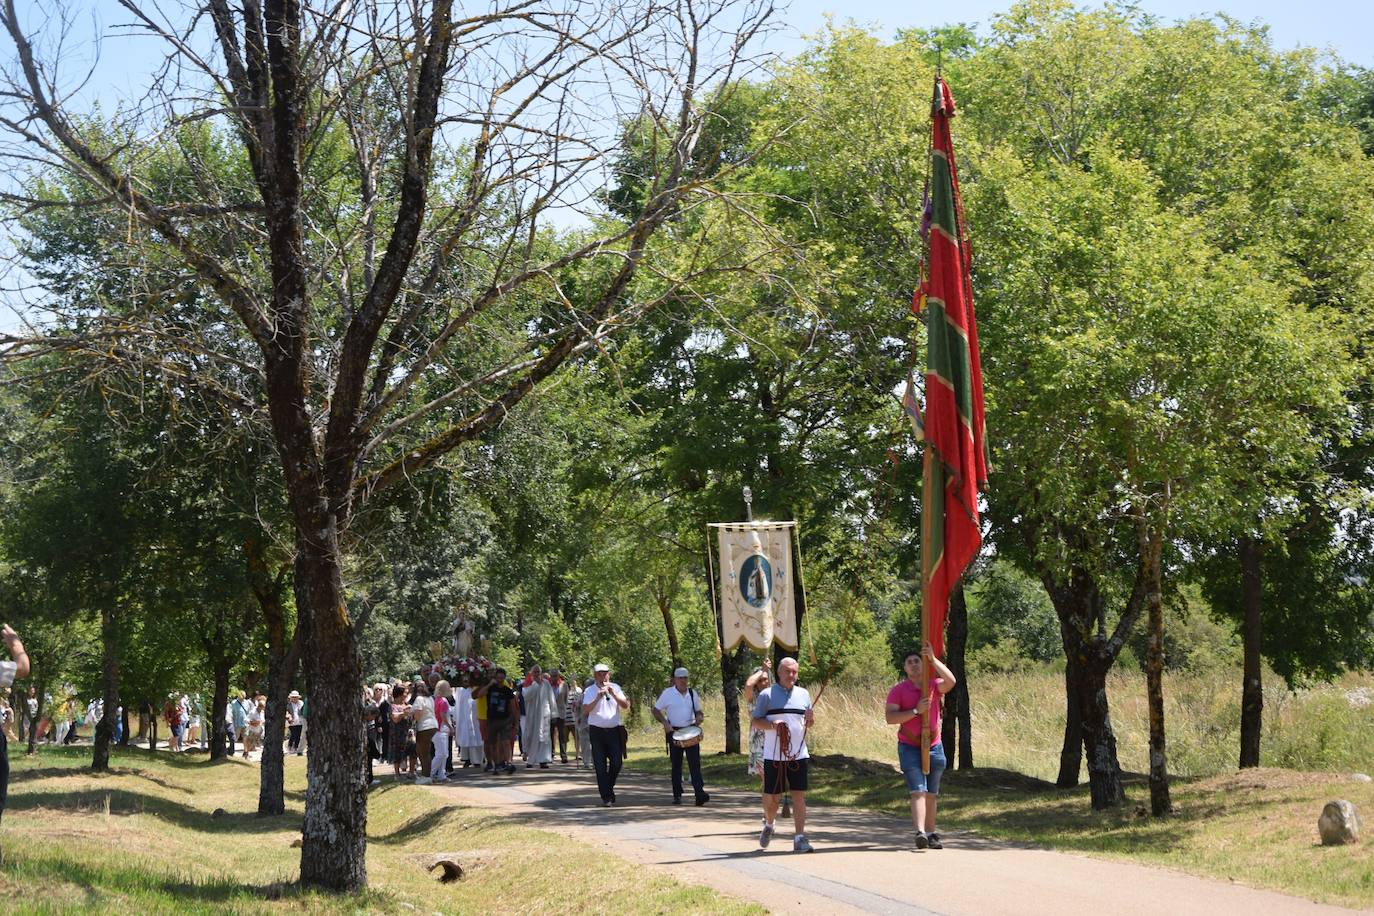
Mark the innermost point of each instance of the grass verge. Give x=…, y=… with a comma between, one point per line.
x=142, y=839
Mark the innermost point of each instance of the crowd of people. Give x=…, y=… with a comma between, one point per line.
x=427, y=728
x=54, y=721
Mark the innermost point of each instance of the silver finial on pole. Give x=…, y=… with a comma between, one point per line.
x=748, y=504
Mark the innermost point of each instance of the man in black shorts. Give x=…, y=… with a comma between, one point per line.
x=783, y=713
x=501, y=718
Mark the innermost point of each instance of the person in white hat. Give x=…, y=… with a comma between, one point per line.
x=602, y=703
x=294, y=721
x=679, y=706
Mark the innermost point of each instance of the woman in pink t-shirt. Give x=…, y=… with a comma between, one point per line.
x=907, y=706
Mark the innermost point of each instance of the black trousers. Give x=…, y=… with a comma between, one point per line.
x=229, y=739
x=606, y=758
x=4, y=771
x=293, y=743
x=559, y=729
x=693, y=755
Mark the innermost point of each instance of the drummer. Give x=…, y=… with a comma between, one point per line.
x=679, y=707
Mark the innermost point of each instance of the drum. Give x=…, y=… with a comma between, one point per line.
x=687, y=737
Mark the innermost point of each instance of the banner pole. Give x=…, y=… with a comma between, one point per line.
x=926, y=609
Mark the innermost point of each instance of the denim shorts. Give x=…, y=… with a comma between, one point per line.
x=909, y=759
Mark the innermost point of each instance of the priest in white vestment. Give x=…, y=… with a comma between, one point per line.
x=540, y=708
x=466, y=732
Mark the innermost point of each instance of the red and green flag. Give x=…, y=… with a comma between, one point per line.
x=955, y=459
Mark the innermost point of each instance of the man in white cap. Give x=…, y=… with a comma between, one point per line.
x=679, y=706
x=602, y=703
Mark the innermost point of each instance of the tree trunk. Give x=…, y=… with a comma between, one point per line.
x=1071, y=754
x=219, y=704
x=1099, y=740
x=957, y=715
x=729, y=683
x=152, y=728
x=1252, y=687
x=104, y=729
x=1089, y=655
x=272, y=776
x=335, y=832
x=283, y=658
x=41, y=688
x=665, y=607
x=1154, y=678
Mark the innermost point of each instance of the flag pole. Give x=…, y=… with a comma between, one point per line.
x=926, y=609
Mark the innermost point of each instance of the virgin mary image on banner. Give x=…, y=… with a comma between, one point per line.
x=755, y=588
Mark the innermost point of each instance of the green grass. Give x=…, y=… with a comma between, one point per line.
x=142, y=840
x=1258, y=827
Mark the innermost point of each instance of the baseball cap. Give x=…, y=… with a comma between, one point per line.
x=601, y=668
x=681, y=672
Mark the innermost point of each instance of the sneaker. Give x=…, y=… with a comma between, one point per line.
x=510, y=769
x=766, y=835
x=543, y=766
x=374, y=784
x=606, y=803
x=677, y=799
x=800, y=843
x=702, y=799
x=529, y=766
x=422, y=780
x=487, y=768
x=933, y=841
x=922, y=841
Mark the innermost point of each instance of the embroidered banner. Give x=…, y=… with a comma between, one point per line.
x=756, y=588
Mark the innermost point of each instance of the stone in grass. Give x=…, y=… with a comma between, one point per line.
x=1339, y=824
x=1361, y=777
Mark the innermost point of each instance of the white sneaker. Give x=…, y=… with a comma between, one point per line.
x=422, y=780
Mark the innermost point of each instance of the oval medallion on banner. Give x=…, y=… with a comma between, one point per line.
x=756, y=580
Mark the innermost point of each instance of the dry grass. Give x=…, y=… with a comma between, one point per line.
x=1258, y=827
x=142, y=840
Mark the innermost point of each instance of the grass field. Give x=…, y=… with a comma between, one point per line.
x=1258, y=827
x=142, y=840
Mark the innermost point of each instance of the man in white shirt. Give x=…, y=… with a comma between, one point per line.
x=679, y=706
x=602, y=703
x=784, y=707
x=17, y=667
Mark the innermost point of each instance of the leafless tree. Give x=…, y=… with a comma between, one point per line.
x=390, y=217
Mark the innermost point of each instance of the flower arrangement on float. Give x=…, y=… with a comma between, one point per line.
x=455, y=666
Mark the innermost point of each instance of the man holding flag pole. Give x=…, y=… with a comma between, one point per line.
x=955, y=462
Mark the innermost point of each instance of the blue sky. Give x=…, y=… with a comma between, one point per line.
x=1344, y=26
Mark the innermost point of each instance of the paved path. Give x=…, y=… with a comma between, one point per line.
x=863, y=862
